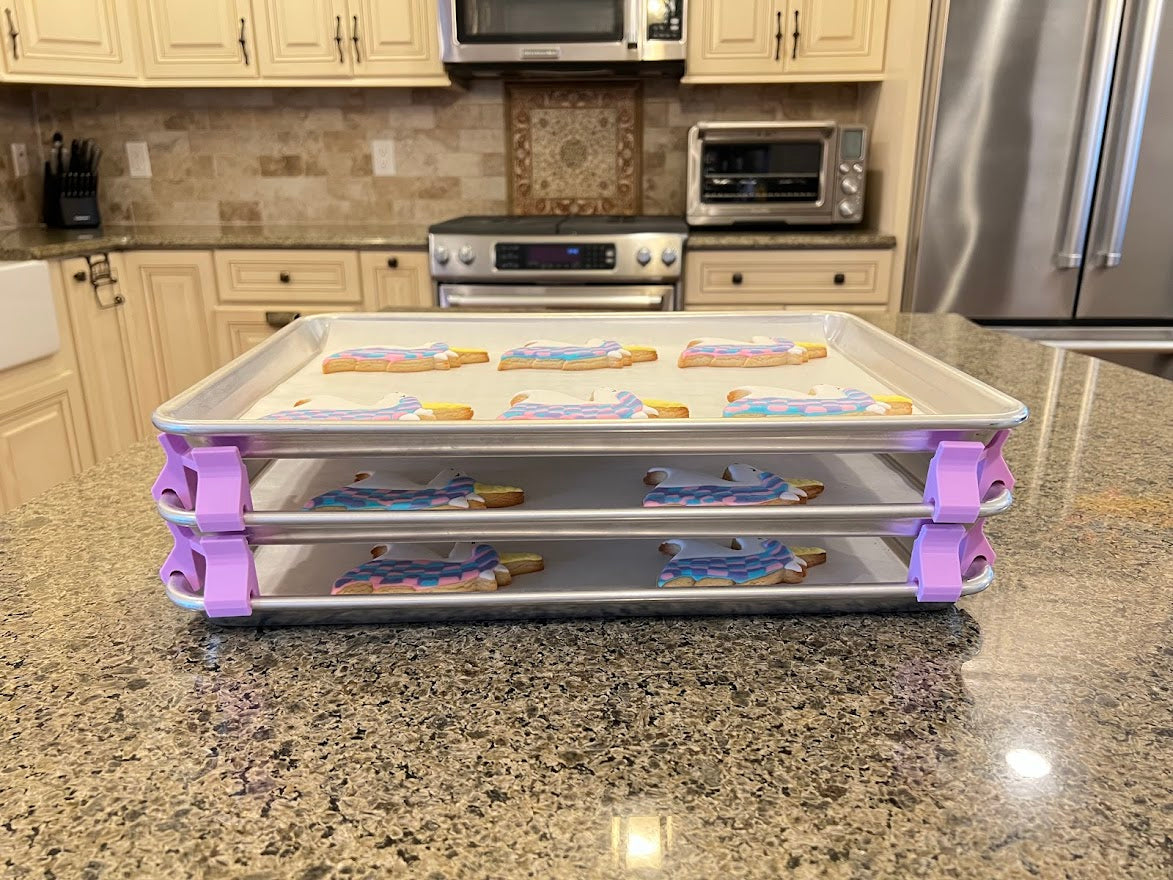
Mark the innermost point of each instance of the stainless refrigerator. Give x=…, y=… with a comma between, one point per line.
x=1046, y=185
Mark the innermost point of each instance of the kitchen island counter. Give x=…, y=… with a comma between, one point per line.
x=1021, y=733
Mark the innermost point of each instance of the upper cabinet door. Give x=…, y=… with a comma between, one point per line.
x=186, y=40
x=836, y=36
x=303, y=38
x=64, y=39
x=736, y=38
x=394, y=38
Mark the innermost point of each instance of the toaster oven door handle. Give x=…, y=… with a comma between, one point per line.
x=633, y=298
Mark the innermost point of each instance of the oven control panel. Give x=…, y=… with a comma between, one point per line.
x=553, y=255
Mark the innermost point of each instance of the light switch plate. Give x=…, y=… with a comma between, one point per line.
x=383, y=158
x=138, y=158
x=20, y=160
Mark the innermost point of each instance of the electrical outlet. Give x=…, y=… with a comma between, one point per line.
x=383, y=158
x=138, y=158
x=20, y=160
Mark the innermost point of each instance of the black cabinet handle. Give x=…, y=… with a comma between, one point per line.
x=243, y=43
x=737, y=279
x=284, y=277
x=354, y=39
x=277, y=320
x=13, y=33
x=794, y=51
x=79, y=275
x=393, y=262
x=840, y=278
x=338, y=37
x=778, y=37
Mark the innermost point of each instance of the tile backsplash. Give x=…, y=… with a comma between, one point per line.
x=288, y=156
x=20, y=200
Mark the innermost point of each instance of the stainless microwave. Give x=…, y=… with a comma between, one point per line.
x=776, y=172
x=572, y=31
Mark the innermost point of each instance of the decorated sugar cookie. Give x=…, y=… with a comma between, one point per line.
x=412, y=568
x=595, y=354
x=757, y=401
x=448, y=490
x=402, y=358
x=758, y=351
x=741, y=484
x=744, y=562
x=604, y=403
x=392, y=408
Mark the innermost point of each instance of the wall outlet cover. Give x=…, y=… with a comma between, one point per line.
x=138, y=158
x=383, y=158
x=20, y=160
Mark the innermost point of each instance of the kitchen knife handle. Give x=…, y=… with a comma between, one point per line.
x=354, y=38
x=243, y=43
x=13, y=33
x=778, y=37
x=338, y=37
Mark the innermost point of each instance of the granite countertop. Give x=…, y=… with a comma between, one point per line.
x=34, y=243
x=1021, y=733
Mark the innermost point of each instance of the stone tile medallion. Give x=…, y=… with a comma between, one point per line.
x=574, y=148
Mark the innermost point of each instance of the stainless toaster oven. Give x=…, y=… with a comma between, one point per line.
x=776, y=172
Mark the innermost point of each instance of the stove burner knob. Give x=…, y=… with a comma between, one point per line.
x=643, y=256
x=669, y=256
x=441, y=254
x=466, y=255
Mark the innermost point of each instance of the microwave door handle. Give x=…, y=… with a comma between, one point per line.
x=1081, y=180
x=464, y=296
x=1125, y=130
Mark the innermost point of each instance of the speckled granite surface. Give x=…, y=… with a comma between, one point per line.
x=1026, y=733
x=733, y=239
x=47, y=244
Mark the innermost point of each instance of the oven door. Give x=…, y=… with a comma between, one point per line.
x=760, y=172
x=511, y=31
x=548, y=298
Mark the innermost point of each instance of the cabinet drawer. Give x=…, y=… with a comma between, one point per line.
x=238, y=329
x=779, y=278
x=276, y=276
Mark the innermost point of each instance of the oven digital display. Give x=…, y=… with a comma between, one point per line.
x=521, y=257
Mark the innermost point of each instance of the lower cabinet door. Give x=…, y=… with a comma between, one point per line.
x=40, y=440
x=396, y=279
x=238, y=329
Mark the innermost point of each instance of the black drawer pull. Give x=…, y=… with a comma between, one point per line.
x=393, y=262
x=284, y=277
x=277, y=320
x=737, y=279
x=840, y=278
x=79, y=275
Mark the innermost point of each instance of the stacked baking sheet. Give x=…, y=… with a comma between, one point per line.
x=274, y=466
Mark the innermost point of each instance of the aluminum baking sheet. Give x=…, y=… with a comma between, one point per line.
x=224, y=408
x=861, y=574
x=587, y=497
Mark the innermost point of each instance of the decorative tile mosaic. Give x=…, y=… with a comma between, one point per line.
x=576, y=148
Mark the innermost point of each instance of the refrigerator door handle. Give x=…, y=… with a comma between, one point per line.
x=1081, y=181
x=1125, y=129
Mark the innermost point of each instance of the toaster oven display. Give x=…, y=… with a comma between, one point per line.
x=787, y=171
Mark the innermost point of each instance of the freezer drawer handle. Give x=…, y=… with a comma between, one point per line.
x=961, y=475
x=210, y=480
x=941, y=557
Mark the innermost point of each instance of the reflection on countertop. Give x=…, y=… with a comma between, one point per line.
x=1020, y=733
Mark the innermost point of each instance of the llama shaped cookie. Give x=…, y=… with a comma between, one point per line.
x=741, y=484
x=603, y=403
x=402, y=358
x=758, y=401
x=743, y=562
x=448, y=490
x=412, y=568
x=594, y=354
x=757, y=351
x=393, y=407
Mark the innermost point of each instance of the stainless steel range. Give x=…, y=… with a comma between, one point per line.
x=577, y=262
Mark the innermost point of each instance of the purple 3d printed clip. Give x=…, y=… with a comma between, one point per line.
x=211, y=480
x=961, y=474
x=221, y=566
x=941, y=555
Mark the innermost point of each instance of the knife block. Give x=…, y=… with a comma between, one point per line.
x=76, y=210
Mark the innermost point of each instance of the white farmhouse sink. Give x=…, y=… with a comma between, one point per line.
x=28, y=319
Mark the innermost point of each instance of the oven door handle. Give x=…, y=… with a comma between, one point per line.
x=644, y=298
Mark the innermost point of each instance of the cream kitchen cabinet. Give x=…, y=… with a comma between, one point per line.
x=757, y=279
x=239, y=328
x=384, y=40
x=44, y=432
x=68, y=40
x=785, y=40
x=181, y=39
x=395, y=279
